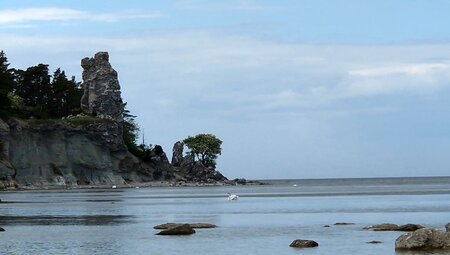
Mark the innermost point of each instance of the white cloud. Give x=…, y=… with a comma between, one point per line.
x=234, y=5
x=246, y=74
x=28, y=15
x=399, y=78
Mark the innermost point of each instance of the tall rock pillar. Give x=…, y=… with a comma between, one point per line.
x=101, y=88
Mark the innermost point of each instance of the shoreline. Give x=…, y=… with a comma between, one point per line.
x=136, y=185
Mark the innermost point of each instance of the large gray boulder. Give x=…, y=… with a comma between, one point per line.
x=423, y=239
x=101, y=95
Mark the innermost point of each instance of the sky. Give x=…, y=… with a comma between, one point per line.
x=294, y=89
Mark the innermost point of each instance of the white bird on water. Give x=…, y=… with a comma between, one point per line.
x=232, y=196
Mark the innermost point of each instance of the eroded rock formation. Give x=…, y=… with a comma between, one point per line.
x=101, y=88
x=187, y=169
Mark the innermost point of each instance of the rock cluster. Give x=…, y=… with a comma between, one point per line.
x=189, y=170
x=101, y=95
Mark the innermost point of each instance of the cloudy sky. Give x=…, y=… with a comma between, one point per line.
x=295, y=89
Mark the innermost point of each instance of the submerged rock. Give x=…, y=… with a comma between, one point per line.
x=183, y=229
x=382, y=227
x=423, y=239
x=394, y=227
x=192, y=225
x=375, y=242
x=343, y=223
x=299, y=243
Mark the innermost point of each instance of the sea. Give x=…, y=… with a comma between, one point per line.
x=264, y=220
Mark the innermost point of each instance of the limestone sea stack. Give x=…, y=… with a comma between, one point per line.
x=101, y=95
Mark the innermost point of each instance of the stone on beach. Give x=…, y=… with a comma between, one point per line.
x=299, y=243
x=192, y=225
x=183, y=229
x=423, y=239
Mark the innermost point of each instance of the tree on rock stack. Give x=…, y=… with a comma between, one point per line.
x=205, y=148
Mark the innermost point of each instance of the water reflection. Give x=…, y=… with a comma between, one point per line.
x=86, y=220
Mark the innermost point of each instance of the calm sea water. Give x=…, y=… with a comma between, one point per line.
x=265, y=220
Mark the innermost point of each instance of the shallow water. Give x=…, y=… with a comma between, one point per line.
x=265, y=219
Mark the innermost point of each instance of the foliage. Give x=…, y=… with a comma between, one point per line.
x=64, y=95
x=34, y=93
x=131, y=133
x=6, y=85
x=205, y=148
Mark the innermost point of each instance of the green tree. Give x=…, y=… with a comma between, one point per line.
x=6, y=85
x=33, y=85
x=205, y=148
x=6, y=74
x=64, y=96
x=130, y=134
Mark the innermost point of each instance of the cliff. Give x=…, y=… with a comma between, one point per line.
x=71, y=152
x=81, y=150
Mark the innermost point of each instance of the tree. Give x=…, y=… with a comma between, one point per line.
x=33, y=85
x=131, y=133
x=64, y=96
x=6, y=74
x=6, y=85
x=205, y=148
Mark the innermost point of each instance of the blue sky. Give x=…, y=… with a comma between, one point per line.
x=295, y=89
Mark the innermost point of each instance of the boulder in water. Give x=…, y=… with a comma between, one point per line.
x=192, y=225
x=299, y=243
x=184, y=229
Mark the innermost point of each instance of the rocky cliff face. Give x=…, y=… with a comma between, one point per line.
x=72, y=152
